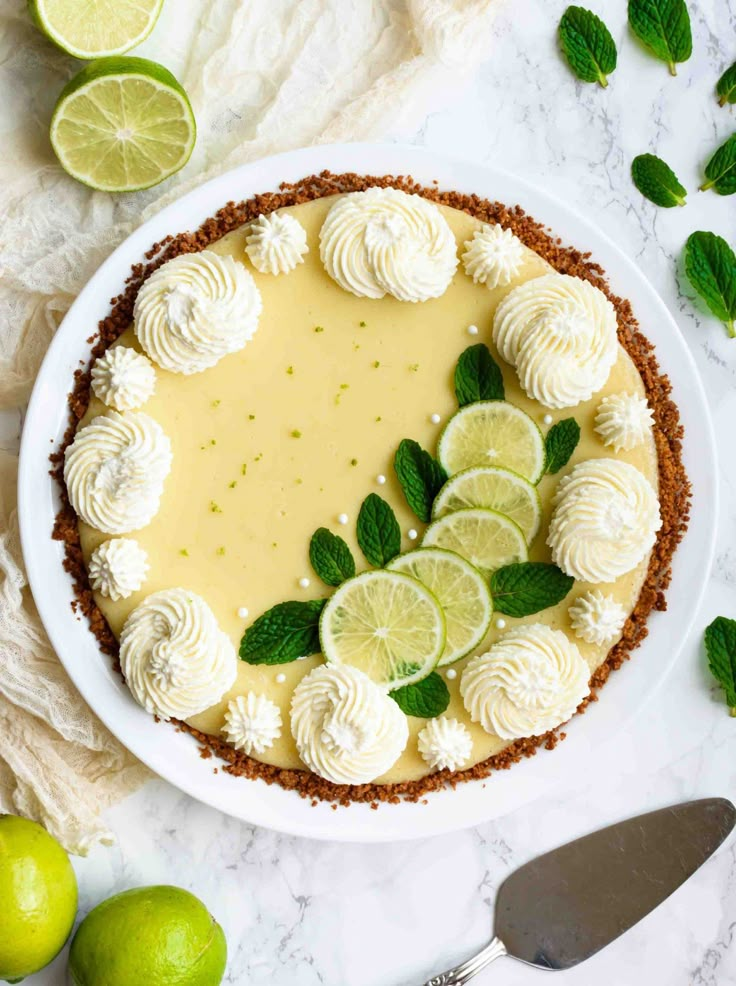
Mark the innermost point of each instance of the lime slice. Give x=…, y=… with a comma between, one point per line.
x=497, y=489
x=487, y=539
x=460, y=590
x=492, y=433
x=123, y=124
x=94, y=28
x=387, y=625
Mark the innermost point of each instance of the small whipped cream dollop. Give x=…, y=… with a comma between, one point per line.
x=596, y=618
x=115, y=469
x=118, y=568
x=445, y=744
x=383, y=241
x=195, y=309
x=494, y=256
x=346, y=728
x=252, y=723
x=605, y=519
x=623, y=421
x=175, y=658
x=276, y=243
x=560, y=334
x=529, y=682
x=123, y=379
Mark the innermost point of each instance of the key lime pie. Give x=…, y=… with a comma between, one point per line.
x=369, y=486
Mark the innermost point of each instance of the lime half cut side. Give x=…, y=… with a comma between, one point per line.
x=493, y=433
x=485, y=538
x=386, y=624
x=497, y=489
x=461, y=591
x=95, y=28
x=123, y=124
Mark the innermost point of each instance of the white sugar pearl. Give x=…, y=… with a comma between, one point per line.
x=547, y=419
x=472, y=330
x=280, y=678
x=380, y=479
x=342, y=519
x=452, y=674
x=500, y=623
x=412, y=534
x=435, y=419
x=243, y=612
x=304, y=583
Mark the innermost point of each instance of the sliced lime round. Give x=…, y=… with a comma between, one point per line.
x=387, y=625
x=461, y=591
x=487, y=539
x=95, y=28
x=497, y=489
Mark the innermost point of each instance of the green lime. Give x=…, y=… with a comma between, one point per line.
x=461, y=591
x=487, y=539
x=493, y=433
x=157, y=936
x=385, y=624
x=123, y=124
x=497, y=489
x=94, y=28
x=38, y=897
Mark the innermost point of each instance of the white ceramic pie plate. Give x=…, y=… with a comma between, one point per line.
x=174, y=756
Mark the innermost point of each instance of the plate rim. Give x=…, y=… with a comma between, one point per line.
x=176, y=758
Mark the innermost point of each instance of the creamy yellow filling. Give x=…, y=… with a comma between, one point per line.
x=292, y=431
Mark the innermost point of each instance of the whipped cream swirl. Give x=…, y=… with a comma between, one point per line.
x=529, y=682
x=195, y=309
x=596, y=618
x=383, y=241
x=623, y=421
x=252, y=723
x=347, y=729
x=276, y=243
x=494, y=256
x=123, y=379
x=176, y=660
x=445, y=744
x=560, y=334
x=118, y=568
x=115, y=469
x=604, y=521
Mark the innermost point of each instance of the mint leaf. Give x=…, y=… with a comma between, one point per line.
x=561, y=441
x=421, y=477
x=477, y=376
x=528, y=587
x=286, y=632
x=379, y=534
x=720, y=171
x=720, y=646
x=330, y=557
x=726, y=86
x=425, y=699
x=663, y=26
x=657, y=181
x=587, y=44
x=710, y=264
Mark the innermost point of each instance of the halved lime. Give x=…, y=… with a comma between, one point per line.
x=497, y=489
x=123, y=124
x=487, y=539
x=95, y=28
x=492, y=433
x=387, y=625
x=461, y=591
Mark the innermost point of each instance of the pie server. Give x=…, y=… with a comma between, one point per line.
x=563, y=907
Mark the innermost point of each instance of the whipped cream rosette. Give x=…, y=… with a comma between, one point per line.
x=445, y=744
x=623, y=421
x=252, y=723
x=493, y=256
x=122, y=378
x=596, y=618
x=118, y=568
x=276, y=243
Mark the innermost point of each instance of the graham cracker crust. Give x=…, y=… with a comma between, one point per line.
x=674, y=487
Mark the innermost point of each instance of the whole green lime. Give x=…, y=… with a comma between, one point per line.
x=157, y=936
x=38, y=897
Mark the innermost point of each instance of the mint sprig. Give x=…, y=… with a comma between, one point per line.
x=587, y=45
x=657, y=181
x=720, y=646
x=561, y=441
x=424, y=699
x=720, y=171
x=710, y=264
x=726, y=86
x=528, y=587
x=287, y=631
x=330, y=557
x=379, y=534
x=421, y=477
x=478, y=376
x=663, y=26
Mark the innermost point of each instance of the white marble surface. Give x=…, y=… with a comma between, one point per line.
x=299, y=913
